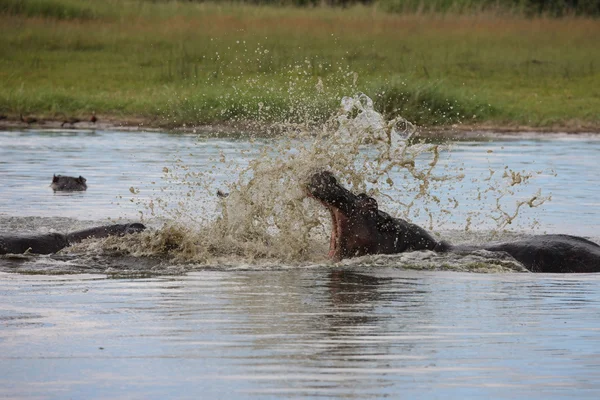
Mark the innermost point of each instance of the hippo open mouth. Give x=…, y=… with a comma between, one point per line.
x=339, y=201
x=358, y=227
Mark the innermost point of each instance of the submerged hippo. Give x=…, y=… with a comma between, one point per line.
x=360, y=228
x=68, y=183
x=52, y=242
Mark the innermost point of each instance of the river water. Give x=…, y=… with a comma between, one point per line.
x=74, y=325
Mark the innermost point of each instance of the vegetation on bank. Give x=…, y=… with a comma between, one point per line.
x=554, y=8
x=191, y=62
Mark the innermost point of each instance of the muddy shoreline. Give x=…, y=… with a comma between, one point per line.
x=455, y=131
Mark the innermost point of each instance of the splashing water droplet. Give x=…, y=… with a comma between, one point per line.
x=266, y=216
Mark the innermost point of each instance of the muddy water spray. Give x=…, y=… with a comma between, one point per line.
x=267, y=217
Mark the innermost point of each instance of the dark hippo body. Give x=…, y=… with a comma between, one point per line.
x=68, y=183
x=52, y=242
x=360, y=228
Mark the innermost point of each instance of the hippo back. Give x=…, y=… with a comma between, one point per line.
x=554, y=253
x=100, y=232
x=41, y=244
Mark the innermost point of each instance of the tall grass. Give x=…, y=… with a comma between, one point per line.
x=182, y=62
x=555, y=8
x=523, y=7
x=61, y=9
x=430, y=104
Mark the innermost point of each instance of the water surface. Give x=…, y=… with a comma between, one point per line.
x=563, y=167
x=322, y=333
x=364, y=329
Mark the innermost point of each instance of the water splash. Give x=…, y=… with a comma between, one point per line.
x=267, y=216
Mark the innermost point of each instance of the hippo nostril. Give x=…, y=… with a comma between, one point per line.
x=323, y=179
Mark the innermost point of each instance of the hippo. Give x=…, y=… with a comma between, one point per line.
x=68, y=183
x=52, y=242
x=360, y=228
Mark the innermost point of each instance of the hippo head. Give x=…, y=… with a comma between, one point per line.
x=68, y=183
x=359, y=227
x=353, y=217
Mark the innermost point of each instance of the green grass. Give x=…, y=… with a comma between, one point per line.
x=554, y=8
x=173, y=63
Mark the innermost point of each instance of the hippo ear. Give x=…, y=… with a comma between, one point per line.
x=81, y=179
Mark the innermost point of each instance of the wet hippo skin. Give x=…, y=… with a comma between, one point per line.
x=360, y=228
x=52, y=242
x=61, y=183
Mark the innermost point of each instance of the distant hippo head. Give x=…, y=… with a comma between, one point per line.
x=68, y=183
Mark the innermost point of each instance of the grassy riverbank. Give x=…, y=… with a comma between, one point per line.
x=170, y=63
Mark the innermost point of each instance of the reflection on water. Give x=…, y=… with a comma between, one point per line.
x=301, y=333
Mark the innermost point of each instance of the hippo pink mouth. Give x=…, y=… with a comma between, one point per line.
x=338, y=221
x=339, y=201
